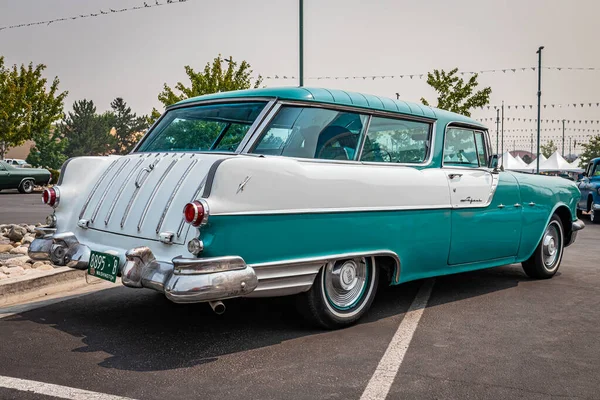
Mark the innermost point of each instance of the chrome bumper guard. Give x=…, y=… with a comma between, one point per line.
x=183, y=280
x=576, y=226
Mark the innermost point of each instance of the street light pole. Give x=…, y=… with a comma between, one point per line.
x=497, y=130
x=301, y=43
x=563, y=150
x=539, y=94
x=502, y=154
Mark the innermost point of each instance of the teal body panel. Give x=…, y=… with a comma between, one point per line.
x=481, y=234
x=547, y=194
x=420, y=237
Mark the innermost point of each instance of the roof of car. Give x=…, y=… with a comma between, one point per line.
x=341, y=97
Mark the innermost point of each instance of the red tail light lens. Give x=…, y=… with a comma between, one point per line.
x=196, y=213
x=51, y=197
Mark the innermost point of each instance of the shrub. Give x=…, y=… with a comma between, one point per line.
x=55, y=174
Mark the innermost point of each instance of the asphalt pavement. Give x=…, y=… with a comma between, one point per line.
x=490, y=334
x=17, y=208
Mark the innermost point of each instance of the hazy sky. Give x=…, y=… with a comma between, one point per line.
x=132, y=54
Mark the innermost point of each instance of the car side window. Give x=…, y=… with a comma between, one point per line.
x=480, y=146
x=596, y=170
x=460, y=148
x=396, y=141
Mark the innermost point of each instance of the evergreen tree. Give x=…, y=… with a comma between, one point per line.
x=87, y=133
x=128, y=126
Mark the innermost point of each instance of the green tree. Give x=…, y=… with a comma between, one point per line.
x=27, y=105
x=454, y=94
x=213, y=79
x=49, y=149
x=128, y=126
x=590, y=150
x=87, y=133
x=548, y=149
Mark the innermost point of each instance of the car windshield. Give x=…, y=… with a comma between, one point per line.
x=216, y=127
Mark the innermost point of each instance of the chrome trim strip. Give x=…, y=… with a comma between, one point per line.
x=98, y=183
x=153, y=194
x=257, y=122
x=120, y=192
x=134, y=195
x=179, y=183
x=363, y=139
x=194, y=197
x=257, y=134
x=325, y=259
x=337, y=210
x=108, y=187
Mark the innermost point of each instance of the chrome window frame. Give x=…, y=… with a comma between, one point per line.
x=270, y=102
x=474, y=128
x=369, y=113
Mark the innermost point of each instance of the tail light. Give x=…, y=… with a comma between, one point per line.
x=51, y=196
x=196, y=213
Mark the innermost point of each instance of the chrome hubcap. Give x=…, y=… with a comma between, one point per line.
x=345, y=282
x=551, y=246
x=27, y=185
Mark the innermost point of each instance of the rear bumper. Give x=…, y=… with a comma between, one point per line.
x=183, y=280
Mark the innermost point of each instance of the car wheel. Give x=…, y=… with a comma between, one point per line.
x=546, y=258
x=26, y=186
x=342, y=292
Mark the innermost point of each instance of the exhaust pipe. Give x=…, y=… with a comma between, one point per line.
x=217, y=306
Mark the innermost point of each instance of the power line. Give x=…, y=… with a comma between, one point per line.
x=91, y=15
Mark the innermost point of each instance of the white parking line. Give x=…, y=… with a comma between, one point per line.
x=383, y=377
x=48, y=389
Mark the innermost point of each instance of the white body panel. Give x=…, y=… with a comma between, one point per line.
x=284, y=185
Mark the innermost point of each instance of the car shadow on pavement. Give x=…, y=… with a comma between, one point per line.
x=143, y=331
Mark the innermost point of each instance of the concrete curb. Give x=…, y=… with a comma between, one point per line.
x=24, y=288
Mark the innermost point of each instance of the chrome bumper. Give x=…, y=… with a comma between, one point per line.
x=183, y=280
x=576, y=226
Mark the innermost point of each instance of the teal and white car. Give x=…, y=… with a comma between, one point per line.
x=317, y=193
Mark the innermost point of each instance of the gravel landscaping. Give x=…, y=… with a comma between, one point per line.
x=14, y=261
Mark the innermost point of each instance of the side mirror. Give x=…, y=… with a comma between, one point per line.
x=493, y=161
x=583, y=175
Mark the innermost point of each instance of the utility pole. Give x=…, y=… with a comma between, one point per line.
x=531, y=146
x=570, y=147
x=539, y=94
x=497, y=130
x=301, y=44
x=563, y=150
x=502, y=154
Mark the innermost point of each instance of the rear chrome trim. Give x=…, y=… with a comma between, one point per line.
x=98, y=183
x=108, y=187
x=154, y=191
x=134, y=195
x=194, y=197
x=175, y=190
x=120, y=192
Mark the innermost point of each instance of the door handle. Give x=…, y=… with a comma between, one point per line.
x=452, y=176
x=501, y=206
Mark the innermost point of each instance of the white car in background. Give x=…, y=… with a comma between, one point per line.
x=17, y=163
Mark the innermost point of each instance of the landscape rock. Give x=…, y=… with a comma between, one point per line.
x=27, y=239
x=31, y=228
x=16, y=261
x=5, y=248
x=16, y=271
x=38, y=264
x=4, y=270
x=16, y=233
x=45, y=267
x=3, y=276
x=19, y=250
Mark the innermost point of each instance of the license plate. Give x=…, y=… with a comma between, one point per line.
x=104, y=266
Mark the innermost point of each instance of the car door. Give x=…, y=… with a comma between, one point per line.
x=584, y=186
x=486, y=205
x=4, y=177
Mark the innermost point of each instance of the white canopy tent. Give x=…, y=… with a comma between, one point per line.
x=556, y=163
x=532, y=167
x=575, y=165
x=511, y=163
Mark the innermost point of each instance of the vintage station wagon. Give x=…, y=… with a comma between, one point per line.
x=303, y=191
